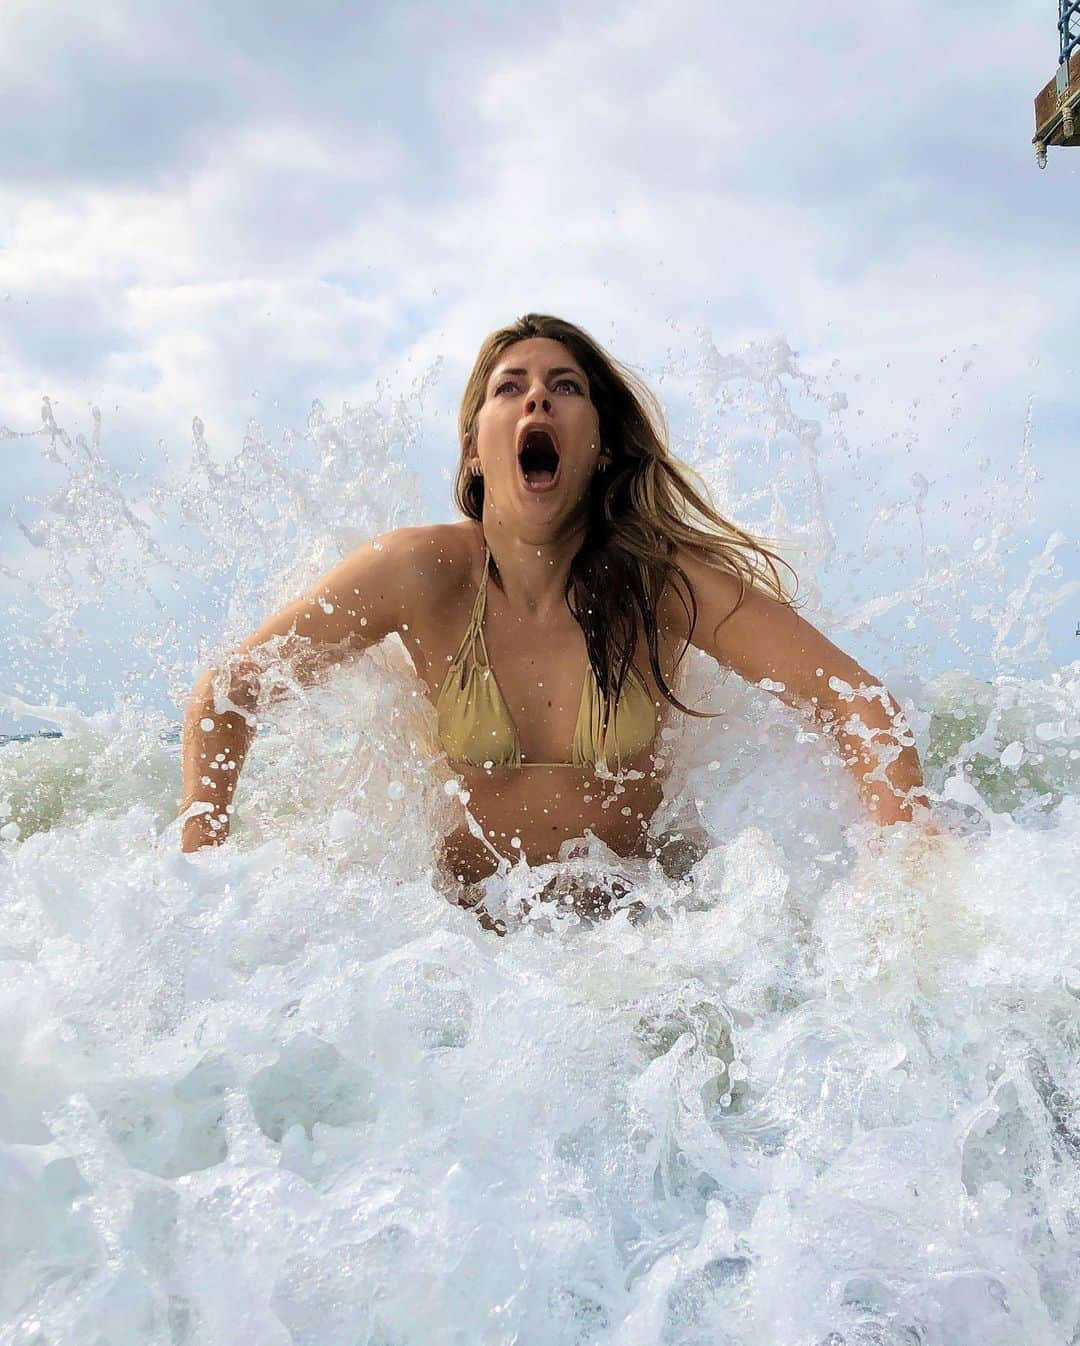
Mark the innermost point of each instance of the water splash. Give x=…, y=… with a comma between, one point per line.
x=284, y=1091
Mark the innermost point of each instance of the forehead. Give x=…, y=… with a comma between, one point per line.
x=536, y=353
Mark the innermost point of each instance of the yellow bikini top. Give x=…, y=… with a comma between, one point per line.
x=475, y=726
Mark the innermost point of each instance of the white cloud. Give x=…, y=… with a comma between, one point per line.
x=204, y=204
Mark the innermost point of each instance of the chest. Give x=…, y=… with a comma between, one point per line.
x=541, y=668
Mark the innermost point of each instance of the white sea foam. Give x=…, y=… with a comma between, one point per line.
x=808, y=1091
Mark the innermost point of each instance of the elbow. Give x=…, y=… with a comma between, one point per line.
x=862, y=706
x=233, y=685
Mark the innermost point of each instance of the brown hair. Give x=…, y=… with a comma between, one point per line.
x=645, y=506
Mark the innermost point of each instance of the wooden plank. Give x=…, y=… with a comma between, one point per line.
x=1048, y=106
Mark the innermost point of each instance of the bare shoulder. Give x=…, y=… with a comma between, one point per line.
x=430, y=561
x=746, y=628
x=390, y=583
x=715, y=595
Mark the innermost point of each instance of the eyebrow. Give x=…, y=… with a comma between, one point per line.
x=558, y=369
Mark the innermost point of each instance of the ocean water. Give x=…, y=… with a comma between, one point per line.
x=817, y=1088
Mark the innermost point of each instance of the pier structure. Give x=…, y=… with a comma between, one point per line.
x=1057, y=105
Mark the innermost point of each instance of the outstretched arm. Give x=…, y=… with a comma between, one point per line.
x=764, y=640
x=355, y=605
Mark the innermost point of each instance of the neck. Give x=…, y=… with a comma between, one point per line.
x=533, y=573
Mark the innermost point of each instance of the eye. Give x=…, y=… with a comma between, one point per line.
x=510, y=383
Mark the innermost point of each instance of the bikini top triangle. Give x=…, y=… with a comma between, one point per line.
x=475, y=725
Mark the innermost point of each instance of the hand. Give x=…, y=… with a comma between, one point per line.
x=203, y=829
x=916, y=848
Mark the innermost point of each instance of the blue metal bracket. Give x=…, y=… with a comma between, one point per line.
x=1068, y=27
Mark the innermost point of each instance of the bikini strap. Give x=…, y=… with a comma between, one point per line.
x=474, y=632
x=480, y=607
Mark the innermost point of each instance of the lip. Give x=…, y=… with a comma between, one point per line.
x=525, y=430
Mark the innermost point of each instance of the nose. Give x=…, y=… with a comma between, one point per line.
x=537, y=397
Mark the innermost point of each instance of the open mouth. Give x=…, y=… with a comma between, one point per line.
x=539, y=460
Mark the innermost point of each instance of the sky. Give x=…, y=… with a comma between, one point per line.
x=228, y=212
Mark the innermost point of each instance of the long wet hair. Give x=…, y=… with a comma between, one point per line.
x=645, y=506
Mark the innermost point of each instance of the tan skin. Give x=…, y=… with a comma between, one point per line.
x=421, y=583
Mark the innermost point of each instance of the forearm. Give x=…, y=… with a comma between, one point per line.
x=877, y=746
x=215, y=744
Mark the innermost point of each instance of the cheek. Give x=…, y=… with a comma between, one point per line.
x=491, y=426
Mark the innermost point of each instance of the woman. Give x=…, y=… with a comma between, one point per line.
x=547, y=627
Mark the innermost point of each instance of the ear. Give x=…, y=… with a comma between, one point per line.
x=605, y=459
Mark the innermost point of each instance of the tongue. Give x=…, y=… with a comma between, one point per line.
x=539, y=476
